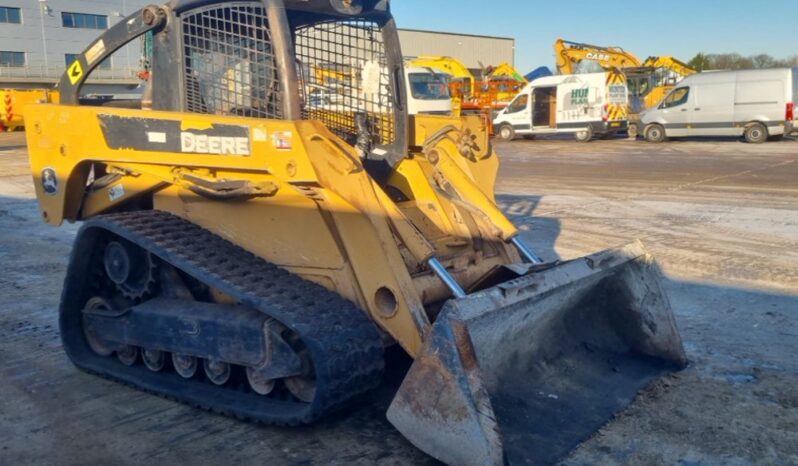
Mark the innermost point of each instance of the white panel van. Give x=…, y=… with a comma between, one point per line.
x=582, y=104
x=756, y=104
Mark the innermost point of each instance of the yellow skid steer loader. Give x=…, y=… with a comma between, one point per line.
x=250, y=248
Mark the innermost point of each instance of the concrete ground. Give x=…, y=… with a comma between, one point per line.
x=721, y=217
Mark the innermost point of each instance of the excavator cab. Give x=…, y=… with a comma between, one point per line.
x=233, y=223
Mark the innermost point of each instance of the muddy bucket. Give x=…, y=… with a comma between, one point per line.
x=524, y=371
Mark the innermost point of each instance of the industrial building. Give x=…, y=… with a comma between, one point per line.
x=474, y=51
x=39, y=38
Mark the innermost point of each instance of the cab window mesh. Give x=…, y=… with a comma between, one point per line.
x=344, y=72
x=229, y=61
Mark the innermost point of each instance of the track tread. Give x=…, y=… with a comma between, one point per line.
x=345, y=345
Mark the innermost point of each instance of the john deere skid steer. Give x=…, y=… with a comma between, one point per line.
x=252, y=239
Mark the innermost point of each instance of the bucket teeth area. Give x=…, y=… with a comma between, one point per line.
x=522, y=372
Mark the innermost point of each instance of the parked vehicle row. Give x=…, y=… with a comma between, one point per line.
x=758, y=105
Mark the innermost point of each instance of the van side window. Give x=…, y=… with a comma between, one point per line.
x=519, y=104
x=676, y=98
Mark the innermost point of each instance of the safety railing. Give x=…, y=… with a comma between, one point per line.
x=54, y=73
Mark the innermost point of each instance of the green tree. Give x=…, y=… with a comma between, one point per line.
x=700, y=62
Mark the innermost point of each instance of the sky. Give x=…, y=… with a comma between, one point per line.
x=675, y=27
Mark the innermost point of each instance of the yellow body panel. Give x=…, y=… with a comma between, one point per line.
x=308, y=204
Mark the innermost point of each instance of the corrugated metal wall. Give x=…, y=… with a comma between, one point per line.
x=471, y=50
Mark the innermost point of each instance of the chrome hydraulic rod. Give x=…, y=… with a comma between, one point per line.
x=446, y=278
x=527, y=253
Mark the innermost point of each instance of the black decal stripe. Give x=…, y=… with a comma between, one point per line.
x=123, y=132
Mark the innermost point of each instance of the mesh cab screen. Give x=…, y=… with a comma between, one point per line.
x=229, y=61
x=344, y=72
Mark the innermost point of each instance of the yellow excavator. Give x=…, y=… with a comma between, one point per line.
x=505, y=81
x=243, y=253
x=462, y=80
x=570, y=55
x=648, y=81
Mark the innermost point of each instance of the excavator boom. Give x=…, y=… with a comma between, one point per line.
x=571, y=54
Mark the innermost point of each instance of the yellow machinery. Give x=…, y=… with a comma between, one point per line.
x=12, y=102
x=462, y=80
x=648, y=81
x=329, y=76
x=655, y=78
x=505, y=82
x=506, y=70
x=570, y=54
x=241, y=253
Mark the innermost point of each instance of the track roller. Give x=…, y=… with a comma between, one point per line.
x=258, y=383
x=218, y=372
x=128, y=355
x=185, y=366
x=155, y=360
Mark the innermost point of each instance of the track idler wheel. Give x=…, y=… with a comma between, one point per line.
x=302, y=387
x=96, y=343
x=131, y=268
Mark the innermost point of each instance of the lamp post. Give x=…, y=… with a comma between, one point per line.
x=43, y=8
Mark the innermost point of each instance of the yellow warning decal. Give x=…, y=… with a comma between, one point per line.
x=75, y=72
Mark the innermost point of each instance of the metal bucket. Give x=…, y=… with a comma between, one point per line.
x=524, y=371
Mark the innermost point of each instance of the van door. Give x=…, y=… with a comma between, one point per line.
x=518, y=114
x=675, y=111
x=544, y=107
x=712, y=110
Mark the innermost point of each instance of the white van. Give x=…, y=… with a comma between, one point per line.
x=582, y=104
x=756, y=104
x=427, y=92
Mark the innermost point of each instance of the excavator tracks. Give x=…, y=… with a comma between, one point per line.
x=343, y=344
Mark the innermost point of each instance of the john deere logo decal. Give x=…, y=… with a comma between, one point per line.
x=49, y=181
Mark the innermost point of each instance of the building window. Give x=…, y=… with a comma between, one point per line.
x=12, y=58
x=83, y=20
x=10, y=15
x=71, y=57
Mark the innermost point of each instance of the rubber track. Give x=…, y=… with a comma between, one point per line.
x=344, y=344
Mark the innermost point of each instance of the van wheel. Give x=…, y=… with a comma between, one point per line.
x=756, y=133
x=506, y=132
x=585, y=135
x=654, y=133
